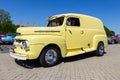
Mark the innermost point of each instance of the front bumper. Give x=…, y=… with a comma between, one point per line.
x=17, y=56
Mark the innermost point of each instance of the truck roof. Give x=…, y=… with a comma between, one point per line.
x=90, y=20
x=76, y=14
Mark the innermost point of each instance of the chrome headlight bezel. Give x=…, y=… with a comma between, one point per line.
x=25, y=44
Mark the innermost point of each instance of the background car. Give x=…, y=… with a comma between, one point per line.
x=8, y=38
x=1, y=35
x=118, y=38
x=111, y=40
x=114, y=39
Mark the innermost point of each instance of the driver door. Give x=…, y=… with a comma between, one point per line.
x=73, y=33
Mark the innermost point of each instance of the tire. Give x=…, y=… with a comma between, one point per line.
x=49, y=56
x=100, y=49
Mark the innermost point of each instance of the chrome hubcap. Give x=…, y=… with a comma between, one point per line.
x=101, y=49
x=50, y=56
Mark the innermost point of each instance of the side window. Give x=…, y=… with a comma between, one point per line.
x=73, y=22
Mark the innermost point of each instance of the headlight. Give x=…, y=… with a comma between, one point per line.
x=25, y=44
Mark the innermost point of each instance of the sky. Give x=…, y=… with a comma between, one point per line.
x=39, y=10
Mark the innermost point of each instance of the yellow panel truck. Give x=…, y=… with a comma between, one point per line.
x=65, y=35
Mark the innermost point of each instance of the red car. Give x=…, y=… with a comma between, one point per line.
x=118, y=38
x=1, y=35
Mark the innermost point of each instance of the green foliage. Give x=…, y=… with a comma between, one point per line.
x=6, y=25
x=109, y=32
x=4, y=16
x=112, y=33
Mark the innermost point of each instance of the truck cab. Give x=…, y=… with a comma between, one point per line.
x=65, y=35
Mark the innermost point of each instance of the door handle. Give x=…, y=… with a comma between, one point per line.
x=70, y=31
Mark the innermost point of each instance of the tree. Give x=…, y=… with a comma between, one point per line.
x=4, y=16
x=109, y=32
x=112, y=32
x=6, y=25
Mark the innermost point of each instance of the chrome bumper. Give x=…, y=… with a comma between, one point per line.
x=17, y=56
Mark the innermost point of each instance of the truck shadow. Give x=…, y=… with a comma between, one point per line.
x=79, y=57
x=30, y=64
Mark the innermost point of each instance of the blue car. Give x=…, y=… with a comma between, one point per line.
x=8, y=38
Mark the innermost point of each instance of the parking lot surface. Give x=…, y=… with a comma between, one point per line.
x=81, y=67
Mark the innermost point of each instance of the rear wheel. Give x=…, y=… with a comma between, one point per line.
x=100, y=49
x=49, y=56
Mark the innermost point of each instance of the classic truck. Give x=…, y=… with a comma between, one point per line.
x=65, y=35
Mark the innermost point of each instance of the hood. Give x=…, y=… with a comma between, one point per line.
x=39, y=30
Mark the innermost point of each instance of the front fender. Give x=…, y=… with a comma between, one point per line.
x=52, y=39
x=43, y=40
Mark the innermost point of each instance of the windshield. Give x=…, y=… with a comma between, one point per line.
x=56, y=22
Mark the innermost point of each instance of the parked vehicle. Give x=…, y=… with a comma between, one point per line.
x=110, y=40
x=1, y=35
x=118, y=38
x=65, y=35
x=8, y=38
x=114, y=39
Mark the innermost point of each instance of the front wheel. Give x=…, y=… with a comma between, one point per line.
x=49, y=56
x=100, y=49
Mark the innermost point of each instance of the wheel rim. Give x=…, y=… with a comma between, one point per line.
x=101, y=49
x=51, y=56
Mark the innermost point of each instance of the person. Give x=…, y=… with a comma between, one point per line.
x=73, y=23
